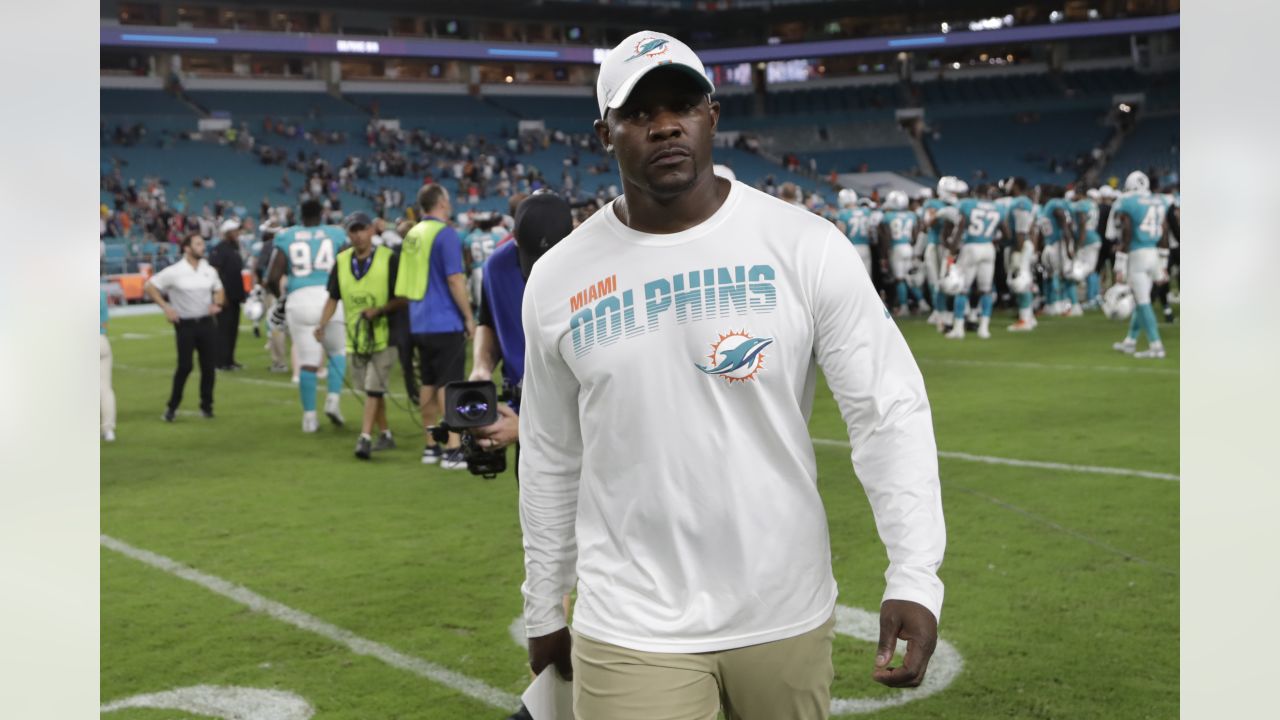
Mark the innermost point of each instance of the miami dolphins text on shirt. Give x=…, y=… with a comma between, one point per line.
x=691, y=296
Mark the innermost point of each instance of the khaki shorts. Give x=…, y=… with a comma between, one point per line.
x=370, y=373
x=782, y=680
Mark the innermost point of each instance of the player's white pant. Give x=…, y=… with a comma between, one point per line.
x=931, y=264
x=1088, y=254
x=1018, y=261
x=1144, y=266
x=977, y=262
x=303, y=310
x=107, y=396
x=900, y=261
x=1053, y=260
x=864, y=252
x=474, y=284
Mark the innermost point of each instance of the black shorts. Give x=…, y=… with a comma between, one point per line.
x=442, y=357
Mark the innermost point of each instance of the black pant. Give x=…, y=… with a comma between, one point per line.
x=228, y=331
x=199, y=336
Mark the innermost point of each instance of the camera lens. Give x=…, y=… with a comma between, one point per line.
x=471, y=405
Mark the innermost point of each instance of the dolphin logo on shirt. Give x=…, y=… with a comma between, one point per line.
x=739, y=356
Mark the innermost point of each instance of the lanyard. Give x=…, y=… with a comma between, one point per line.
x=359, y=268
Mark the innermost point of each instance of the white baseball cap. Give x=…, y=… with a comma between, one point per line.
x=635, y=57
x=228, y=225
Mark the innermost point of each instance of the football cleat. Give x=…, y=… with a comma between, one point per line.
x=169, y=415
x=333, y=408
x=109, y=436
x=1022, y=326
x=957, y=332
x=1154, y=352
x=310, y=423
x=1075, y=311
x=385, y=442
x=1125, y=346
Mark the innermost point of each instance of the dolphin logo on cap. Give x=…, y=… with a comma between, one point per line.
x=650, y=46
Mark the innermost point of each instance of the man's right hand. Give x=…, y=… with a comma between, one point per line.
x=172, y=314
x=554, y=649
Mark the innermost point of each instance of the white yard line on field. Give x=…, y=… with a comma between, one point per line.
x=1038, y=464
x=1137, y=367
x=989, y=459
x=303, y=621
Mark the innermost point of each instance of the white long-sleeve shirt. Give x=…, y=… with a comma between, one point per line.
x=665, y=460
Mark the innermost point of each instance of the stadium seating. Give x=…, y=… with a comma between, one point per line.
x=1000, y=145
x=1153, y=143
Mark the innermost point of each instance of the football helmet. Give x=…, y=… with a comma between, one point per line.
x=1118, y=302
x=1137, y=182
x=953, y=282
x=847, y=198
x=896, y=200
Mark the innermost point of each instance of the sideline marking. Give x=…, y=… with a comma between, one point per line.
x=1047, y=366
x=860, y=624
x=361, y=646
x=988, y=459
x=228, y=703
x=1040, y=464
x=225, y=377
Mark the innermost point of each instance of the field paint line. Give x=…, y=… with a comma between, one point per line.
x=1140, y=369
x=361, y=646
x=225, y=377
x=1038, y=464
x=989, y=459
x=1064, y=529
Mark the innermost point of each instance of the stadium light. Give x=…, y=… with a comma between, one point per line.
x=946, y=27
x=955, y=66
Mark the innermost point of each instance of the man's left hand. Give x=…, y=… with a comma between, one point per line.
x=501, y=433
x=369, y=313
x=914, y=623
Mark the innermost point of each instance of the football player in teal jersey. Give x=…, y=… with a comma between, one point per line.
x=1139, y=222
x=855, y=222
x=973, y=243
x=934, y=222
x=1019, y=221
x=1057, y=245
x=897, y=233
x=1085, y=268
x=301, y=269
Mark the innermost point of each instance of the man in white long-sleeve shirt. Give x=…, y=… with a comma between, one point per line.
x=673, y=342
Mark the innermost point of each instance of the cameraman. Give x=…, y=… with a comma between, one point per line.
x=542, y=220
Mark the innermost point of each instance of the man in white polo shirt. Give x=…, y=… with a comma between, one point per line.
x=195, y=297
x=666, y=470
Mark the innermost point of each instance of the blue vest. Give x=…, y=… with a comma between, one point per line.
x=503, y=288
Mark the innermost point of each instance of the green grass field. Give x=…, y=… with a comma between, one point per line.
x=1062, y=584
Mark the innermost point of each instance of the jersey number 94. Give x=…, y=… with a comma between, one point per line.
x=302, y=260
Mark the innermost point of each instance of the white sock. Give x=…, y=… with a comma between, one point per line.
x=365, y=436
